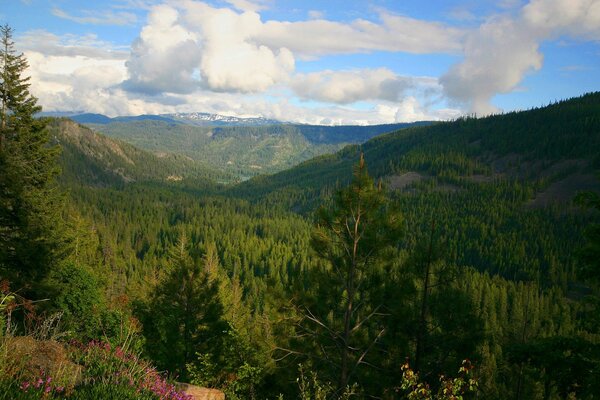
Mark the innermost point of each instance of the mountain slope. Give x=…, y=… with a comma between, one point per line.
x=545, y=144
x=90, y=158
x=499, y=189
x=243, y=150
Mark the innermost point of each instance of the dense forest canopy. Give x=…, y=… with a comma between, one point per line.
x=438, y=244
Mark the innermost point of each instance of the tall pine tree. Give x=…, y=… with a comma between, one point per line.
x=30, y=203
x=345, y=316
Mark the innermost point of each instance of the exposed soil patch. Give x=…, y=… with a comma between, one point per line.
x=564, y=190
x=200, y=393
x=400, y=182
x=564, y=165
x=478, y=178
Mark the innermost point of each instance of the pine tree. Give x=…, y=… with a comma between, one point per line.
x=184, y=315
x=352, y=238
x=30, y=203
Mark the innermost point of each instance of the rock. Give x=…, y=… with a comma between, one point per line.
x=201, y=393
x=31, y=357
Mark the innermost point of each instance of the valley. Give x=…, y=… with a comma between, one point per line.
x=498, y=192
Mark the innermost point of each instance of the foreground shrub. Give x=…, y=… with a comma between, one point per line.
x=34, y=369
x=449, y=388
x=109, y=368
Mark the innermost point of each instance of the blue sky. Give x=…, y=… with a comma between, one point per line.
x=326, y=62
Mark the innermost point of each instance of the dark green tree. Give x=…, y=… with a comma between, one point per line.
x=184, y=316
x=30, y=203
x=352, y=238
x=589, y=254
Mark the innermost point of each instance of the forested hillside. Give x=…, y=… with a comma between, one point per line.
x=241, y=150
x=467, y=192
x=91, y=159
x=544, y=145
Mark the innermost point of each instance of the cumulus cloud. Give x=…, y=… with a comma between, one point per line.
x=499, y=54
x=178, y=46
x=75, y=82
x=74, y=72
x=164, y=57
x=345, y=87
x=496, y=59
x=577, y=18
x=230, y=60
x=191, y=56
x=236, y=51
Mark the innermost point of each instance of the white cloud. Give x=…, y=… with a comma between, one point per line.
x=497, y=56
x=95, y=17
x=136, y=4
x=164, y=57
x=76, y=82
x=236, y=51
x=504, y=49
x=357, y=85
x=577, y=18
x=191, y=56
x=283, y=109
x=230, y=60
x=395, y=33
x=69, y=45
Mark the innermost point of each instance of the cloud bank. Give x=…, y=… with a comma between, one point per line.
x=194, y=56
x=499, y=54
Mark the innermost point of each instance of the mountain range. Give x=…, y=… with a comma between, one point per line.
x=193, y=118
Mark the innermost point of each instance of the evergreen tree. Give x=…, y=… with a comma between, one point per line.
x=352, y=238
x=184, y=316
x=30, y=203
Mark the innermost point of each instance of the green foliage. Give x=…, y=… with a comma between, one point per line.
x=30, y=204
x=183, y=316
x=311, y=388
x=238, y=382
x=78, y=296
x=353, y=238
x=589, y=254
x=568, y=366
x=449, y=388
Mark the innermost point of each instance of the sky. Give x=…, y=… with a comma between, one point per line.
x=321, y=62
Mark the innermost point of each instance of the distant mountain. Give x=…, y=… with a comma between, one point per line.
x=243, y=150
x=197, y=119
x=206, y=119
x=91, y=159
x=88, y=118
x=59, y=114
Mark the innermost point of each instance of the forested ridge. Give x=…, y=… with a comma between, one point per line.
x=243, y=151
x=342, y=277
